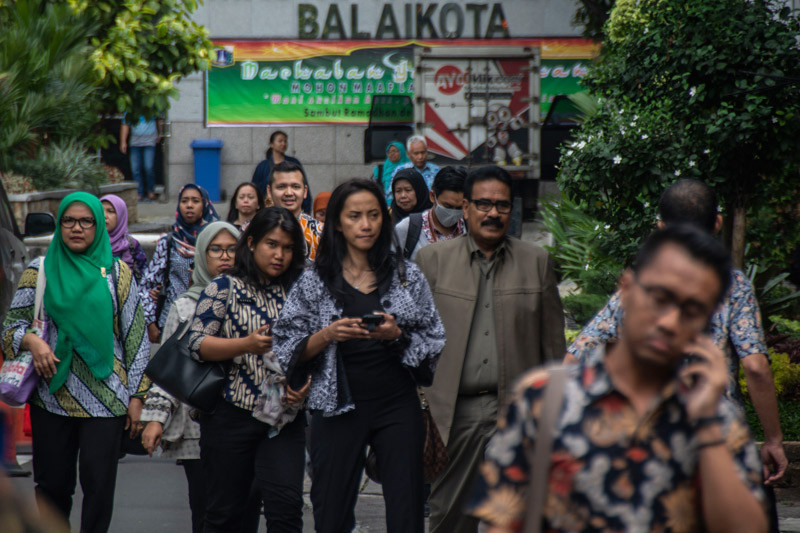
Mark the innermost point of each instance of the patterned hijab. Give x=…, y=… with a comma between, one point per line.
x=200, y=275
x=185, y=234
x=120, y=246
x=77, y=288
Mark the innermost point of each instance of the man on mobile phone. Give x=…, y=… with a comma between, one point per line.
x=735, y=326
x=642, y=441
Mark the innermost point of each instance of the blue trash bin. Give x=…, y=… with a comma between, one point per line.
x=207, y=165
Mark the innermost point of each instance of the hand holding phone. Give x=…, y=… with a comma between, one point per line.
x=371, y=321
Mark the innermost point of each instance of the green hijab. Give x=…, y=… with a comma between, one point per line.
x=77, y=298
x=200, y=275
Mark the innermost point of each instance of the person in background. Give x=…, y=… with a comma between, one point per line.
x=247, y=199
x=498, y=298
x=645, y=439
x=123, y=245
x=90, y=358
x=411, y=195
x=144, y=136
x=321, y=206
x=276, y=154
x=442, y=222
x=232, y=324
x=287, y=189
x=395, y=156
x=167, y=275
x=418, y=155
x=169, y=423
x=363, y=376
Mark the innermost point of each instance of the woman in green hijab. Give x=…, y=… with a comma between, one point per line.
x=395, y=156
x=90, y=359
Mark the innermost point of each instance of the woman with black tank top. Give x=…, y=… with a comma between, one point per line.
x=363, y=324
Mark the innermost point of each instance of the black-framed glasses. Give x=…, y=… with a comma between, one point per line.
x=503, y=206
x=217, y=251
x=664, y=300
x=84, y=222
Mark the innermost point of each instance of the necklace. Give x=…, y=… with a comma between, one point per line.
x=357, y=281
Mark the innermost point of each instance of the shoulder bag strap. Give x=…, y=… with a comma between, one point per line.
x=539, y=457
x=414, y=230
x=41, y=281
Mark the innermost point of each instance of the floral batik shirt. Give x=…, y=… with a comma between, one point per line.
x=232, y=308
x=735, y=328
x=610, y=470
x=312, y=232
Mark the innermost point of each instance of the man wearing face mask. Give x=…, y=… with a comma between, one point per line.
x=498, y=299
x=442, y=222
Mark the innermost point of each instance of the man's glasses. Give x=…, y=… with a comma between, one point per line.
x=503, y=207
x=664, y=301
x=217, y=251
x=85, y=222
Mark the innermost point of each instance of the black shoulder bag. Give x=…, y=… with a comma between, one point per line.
x=196, y=383
x=412, y=237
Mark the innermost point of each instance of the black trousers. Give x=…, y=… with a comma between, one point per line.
x=394, y=427
x=64, y=446
x=235, y=449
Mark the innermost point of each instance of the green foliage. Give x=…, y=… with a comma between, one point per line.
x=142, y=48
x=592, y=15
x=63, y=165
x=784, y=372
x=786, y=326
x=47, y=91
x=789, y=417
x=774, y=296
x=692, y=88
x=581, y=307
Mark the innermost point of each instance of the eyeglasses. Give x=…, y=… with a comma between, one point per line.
x=217, y=251
x=503, y=206
x=85, y=222
x=664, y=300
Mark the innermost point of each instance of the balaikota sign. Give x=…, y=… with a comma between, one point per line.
x=260, y=83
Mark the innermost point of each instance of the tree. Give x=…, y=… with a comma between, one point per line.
x=694, y=88
x=592, y=15
x=141, y=49
x=47, y=87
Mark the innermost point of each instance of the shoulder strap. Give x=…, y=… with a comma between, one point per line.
x=41, y=281
x=539, y=458
x=414, y=230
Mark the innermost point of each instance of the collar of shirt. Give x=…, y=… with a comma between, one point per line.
x=429, y=230
x=597, y=382
x=476, y=253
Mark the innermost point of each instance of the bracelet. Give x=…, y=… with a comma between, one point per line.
x=701, y=445
x=705, y=421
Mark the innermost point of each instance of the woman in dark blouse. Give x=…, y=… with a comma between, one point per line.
x=363, y=376
x=231, y=323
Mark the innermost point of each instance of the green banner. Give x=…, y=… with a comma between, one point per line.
x=323, y=89
x=560, y=76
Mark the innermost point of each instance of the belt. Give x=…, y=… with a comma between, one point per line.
x=479, y=393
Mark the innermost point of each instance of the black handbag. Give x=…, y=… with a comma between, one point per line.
x=198, y=384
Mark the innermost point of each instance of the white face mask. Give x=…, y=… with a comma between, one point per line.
x=447, y=217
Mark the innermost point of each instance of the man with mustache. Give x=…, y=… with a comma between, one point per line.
x=498, y=299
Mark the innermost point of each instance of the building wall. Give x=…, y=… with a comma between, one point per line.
x=330, y=154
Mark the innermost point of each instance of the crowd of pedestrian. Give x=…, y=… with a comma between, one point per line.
x=327, y=319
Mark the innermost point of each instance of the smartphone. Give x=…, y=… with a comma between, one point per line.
x=371, y=321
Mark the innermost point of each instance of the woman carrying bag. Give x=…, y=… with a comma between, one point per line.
x=170, y=423
x=362, y=321
x=91, y=369
x=231, y=323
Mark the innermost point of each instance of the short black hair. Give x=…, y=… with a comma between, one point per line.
x=699, y=244
x=449, y=178
x=489, y=172
x=689, y=201
x=285, y=167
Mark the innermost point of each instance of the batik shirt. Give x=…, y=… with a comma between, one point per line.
x=176, y=280
x=312, y=232
x=428, y=171
x=735, y=328
x=83, y=395
x=248, y=309
x=610, y=470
